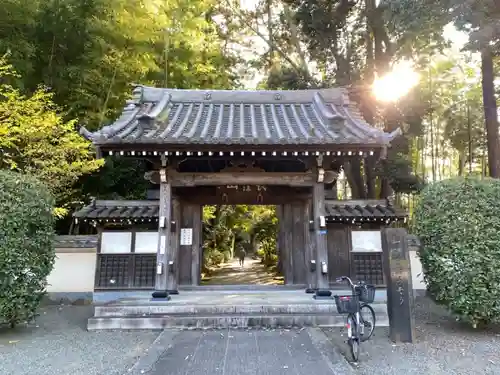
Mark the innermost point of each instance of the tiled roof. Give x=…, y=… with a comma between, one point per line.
x=78, y=241
x=120, y=210
x=210, y=117
x=362, y=209
x=110, y=209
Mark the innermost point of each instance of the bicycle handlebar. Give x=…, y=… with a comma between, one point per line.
x=349, y=281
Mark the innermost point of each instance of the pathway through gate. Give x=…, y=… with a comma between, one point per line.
x=242, y=352
x=252, y=273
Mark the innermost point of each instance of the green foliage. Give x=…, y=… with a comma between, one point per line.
x=266, y=233
x=26, y=247
x=286, y=78
x=228, y=227
x=349, y=42
x=89, y=52
x=212, y=258
x=112, y=181
x=457, y=221
x=35, y=139
x=86, y=54
x=480, y=19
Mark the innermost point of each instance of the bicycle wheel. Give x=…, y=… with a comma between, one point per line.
x=367, y=319
x=353, y=336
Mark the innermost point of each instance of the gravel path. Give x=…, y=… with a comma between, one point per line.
x=231, y=273
x=443, y=346
x=59, y=344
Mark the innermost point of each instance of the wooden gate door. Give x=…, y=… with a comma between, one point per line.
x=190, y=253
x=338, y=252
x=293, y=241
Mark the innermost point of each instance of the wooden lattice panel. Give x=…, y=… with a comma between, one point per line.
x=144, y=271
x=368, y=267
x=113, y=271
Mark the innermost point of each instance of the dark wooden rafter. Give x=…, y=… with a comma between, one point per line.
x=343, y=212
x=153, y=151
x=222, y=164
x=242, y=178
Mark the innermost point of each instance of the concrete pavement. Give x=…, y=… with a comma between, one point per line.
x=242, y=352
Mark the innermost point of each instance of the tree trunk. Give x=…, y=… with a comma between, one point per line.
x=369, y=166
x=289, y=18
x=233, y=240
x=433, y=149
x=385, y=186
x=461, y=163
x=422, y=155
x=352, y=171
x=331, y=191
x=490, y=112
x=382, y=57
x=369, y=112
x=270, y=33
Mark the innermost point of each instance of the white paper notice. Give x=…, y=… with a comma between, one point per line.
x=186, y=236
x=366, y=241
x=163, y=242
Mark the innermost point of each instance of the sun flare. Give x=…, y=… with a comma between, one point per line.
x=395, y=84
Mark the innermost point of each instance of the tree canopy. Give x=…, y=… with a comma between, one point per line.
x=35, y=139
x=75, y=62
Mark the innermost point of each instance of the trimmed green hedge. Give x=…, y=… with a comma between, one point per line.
x=26, y=245
x=458, y=222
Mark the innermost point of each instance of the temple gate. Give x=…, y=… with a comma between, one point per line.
x=283, y=148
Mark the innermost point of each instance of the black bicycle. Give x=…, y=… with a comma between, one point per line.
x=360, y=322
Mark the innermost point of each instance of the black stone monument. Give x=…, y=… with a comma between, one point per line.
x=400, y=303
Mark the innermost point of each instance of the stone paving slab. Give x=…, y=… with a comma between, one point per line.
x=240, y=297
x=244, y=352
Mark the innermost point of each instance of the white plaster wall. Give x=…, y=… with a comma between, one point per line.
x=75, y=272
x=72, y=272
x=416, y=271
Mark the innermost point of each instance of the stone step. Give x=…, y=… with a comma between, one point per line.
x=221, y=322
x=165, y=308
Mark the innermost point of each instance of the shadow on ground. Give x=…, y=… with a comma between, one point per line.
x=443, y=346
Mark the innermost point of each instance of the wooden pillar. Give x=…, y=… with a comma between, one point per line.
x=190, y=253
x=318, y=197
x=196, y=248
x=287, y=248
x=185, y=251
x=164, y=234
x=173, y=248
x=309, y=249
x=279, y=241
x=298, y=247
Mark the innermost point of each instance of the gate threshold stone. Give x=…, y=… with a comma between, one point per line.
x=223, y=310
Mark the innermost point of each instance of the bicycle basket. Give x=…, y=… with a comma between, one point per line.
x=347, y=304
x=366, y=293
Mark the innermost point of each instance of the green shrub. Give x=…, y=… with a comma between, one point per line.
x=217, y=257
x=212, y=258
x=458, y=222
x=226, y=256
x=261, y=253
x=26, y=245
